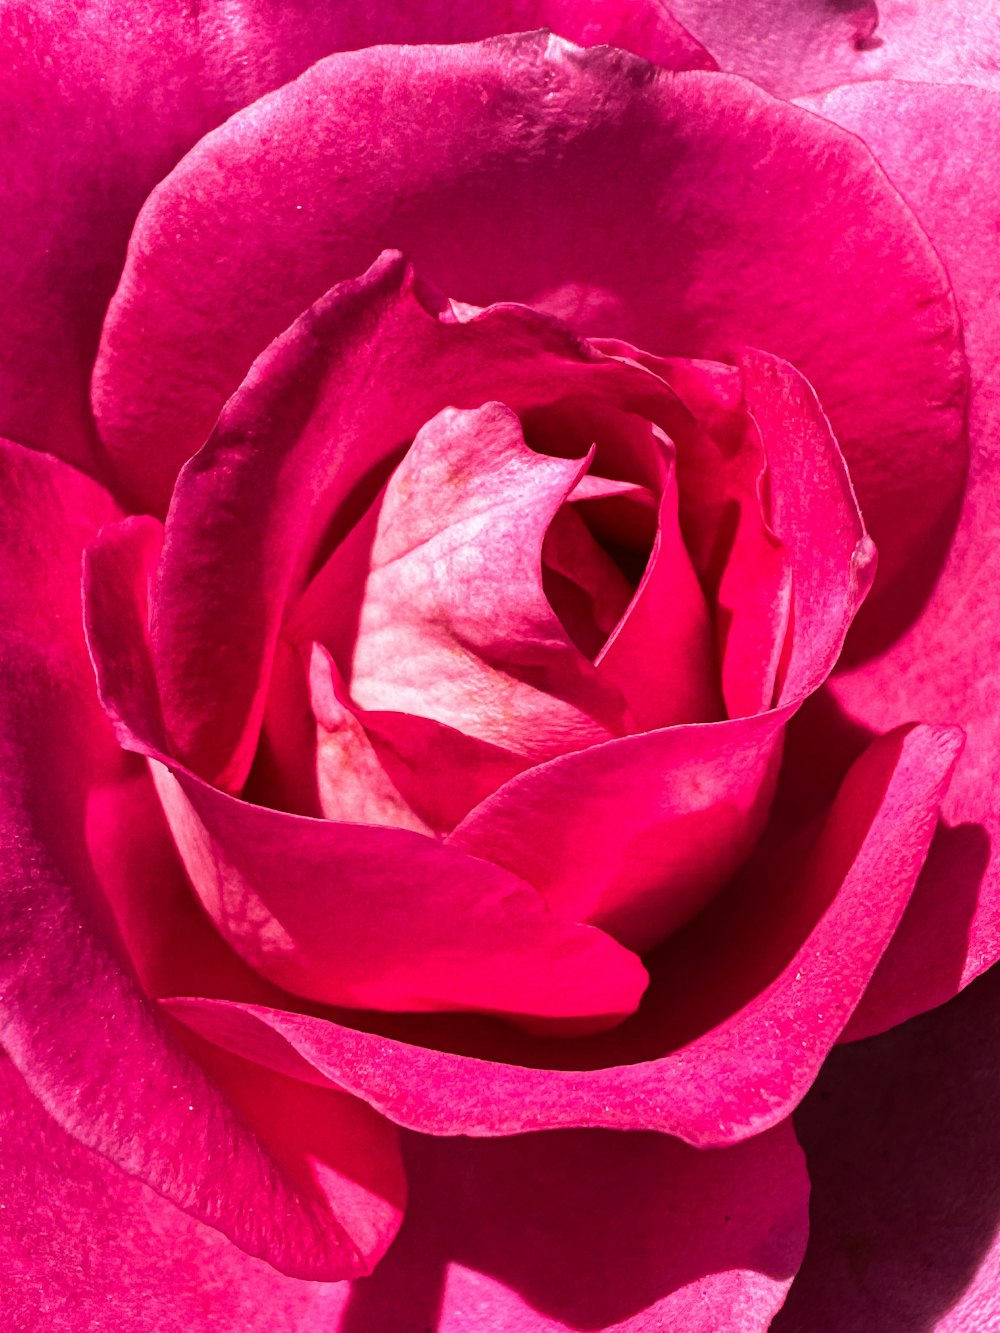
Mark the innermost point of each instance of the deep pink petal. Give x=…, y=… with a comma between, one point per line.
x=73, y=1018
x=313, y=431
x=747, y=1013
x=84, y=1245
x=454, y=623
x=99, y=104
x=661, y=655
x=901, y=1137
x=945, y=668
x=496, y=200
x=637, y=834
x=614, y=1233
x=348, y=913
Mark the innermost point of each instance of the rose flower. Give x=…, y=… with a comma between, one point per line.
x=498, y=645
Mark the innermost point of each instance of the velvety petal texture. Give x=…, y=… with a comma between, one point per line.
x=528, y=1235
x=931, y=140
x=901, y=1137
x=101, y=100
x=799, y=46
x=347, y=913
x=742, y=1012
x=74, y=1019
x=479, y=198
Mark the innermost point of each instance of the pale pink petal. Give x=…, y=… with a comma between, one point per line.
x=614, y=1233
x=73, y=1018
x=945, y=667
x=454, y=623
x=743, y=1010
x=499, y=154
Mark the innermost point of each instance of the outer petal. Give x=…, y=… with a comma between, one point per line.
x=901, y=1134
x=73, y=1018
x=100, y=101
x=347, y=913
x=747, y=1003
x=935, y=143
x=83, y=1245
x=585, y=182
x=614, y=1233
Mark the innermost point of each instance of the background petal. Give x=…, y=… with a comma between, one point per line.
x=901, y=1134
x=73, y=1018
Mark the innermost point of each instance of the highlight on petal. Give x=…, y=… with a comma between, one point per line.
x=73, y=1019
x=590, y=1230
x=495, y=202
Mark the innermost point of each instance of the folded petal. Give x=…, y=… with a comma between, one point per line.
x=900, y=1134
x=944, y=668
x=637, y=834
x=73, y=1018
x=498, y=201
x=545, y=1233
x=739, y=1019
x=454, y=623
x=349, y=913
x=299, y=456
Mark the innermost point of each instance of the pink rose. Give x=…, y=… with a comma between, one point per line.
x=465, y=737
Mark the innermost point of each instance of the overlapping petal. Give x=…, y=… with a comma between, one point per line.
x=582, y=181
x=743, y=1010
x=74, y=1019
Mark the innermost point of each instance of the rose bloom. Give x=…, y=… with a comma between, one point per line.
x=498, y=567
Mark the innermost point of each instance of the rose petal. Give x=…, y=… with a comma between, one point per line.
x=313, y=430
x=454, y=624
x=901, y=1138
x=84, y=1245
x=798, y=46
x=637, y=834
x=497, y=201
x=945, y=667
x=747, y=1014
x=347, y=913
x=546, y=1233
x=73, y=1018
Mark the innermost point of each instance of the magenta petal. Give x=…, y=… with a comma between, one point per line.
x=85, y=1246
x=498, y=205
x=766, y=998
x=901, y=1136
x=348, y=913
x=637, y=834
x=813, y=512
x=945, y=667
x=73, y=1019
x=613, y=1233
